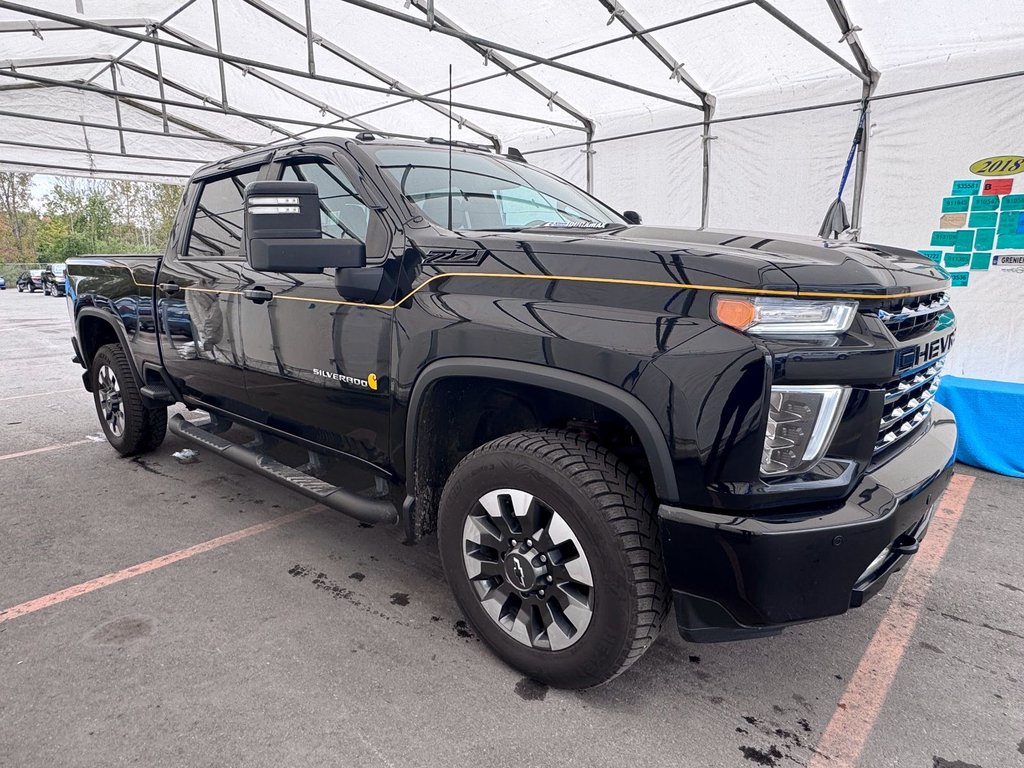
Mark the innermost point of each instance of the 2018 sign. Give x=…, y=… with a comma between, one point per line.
x=1003, y=165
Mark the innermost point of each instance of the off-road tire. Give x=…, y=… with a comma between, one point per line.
x=144, y=427
x=608, y=508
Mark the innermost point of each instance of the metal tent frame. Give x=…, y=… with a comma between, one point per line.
x=234, y=127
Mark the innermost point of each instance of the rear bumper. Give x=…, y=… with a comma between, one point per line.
x=739, y=577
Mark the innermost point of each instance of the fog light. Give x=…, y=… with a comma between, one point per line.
x=801, y=424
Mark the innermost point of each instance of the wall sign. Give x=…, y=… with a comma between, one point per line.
x=978, y=219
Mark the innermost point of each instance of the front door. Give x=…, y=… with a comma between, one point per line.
x=317, y=366
x=197, y=295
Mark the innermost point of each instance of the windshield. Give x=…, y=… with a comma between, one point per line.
x=489, y=192
x=57, y=269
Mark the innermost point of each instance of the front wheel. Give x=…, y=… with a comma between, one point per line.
x=549, y=543
x=130, y=426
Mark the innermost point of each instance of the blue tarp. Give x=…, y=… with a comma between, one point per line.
x=990, y=422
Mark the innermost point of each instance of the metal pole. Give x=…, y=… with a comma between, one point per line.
x=589, y=152
x=365, y=4
x=705, y=184
x=213, y=105
x=552, y=97
x=849, y=34
x=140, y=131
x=393, y=83
x=105, y=153
x=244, y=61
x=275, y=83
x=180, y=9
x=117, y=107
x=566, y=54
x=30, y=166
x=775, y=13
x=220, y=50
x=160, y=82
x=309, y=39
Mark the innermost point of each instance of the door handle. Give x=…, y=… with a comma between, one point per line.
x=171, y=289
x=258, y=295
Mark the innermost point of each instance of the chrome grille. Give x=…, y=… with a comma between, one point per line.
x=913, y=317
x=908, y=401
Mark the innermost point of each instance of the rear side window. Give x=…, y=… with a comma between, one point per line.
x=217, y=226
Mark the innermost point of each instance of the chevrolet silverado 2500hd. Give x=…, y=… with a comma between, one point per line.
x=597, y=417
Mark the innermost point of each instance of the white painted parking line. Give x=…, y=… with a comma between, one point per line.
x=40, y=394
x=48, y=448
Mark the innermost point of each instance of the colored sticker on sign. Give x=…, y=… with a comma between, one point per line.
x=953, y=220
x=960, y=279
x=997, y=187
x=1014, y=260
x=957, y=260
x=984, y=239
x=964, y=241
x=955, y=204
x=979, y=202
x=1008, y=222
x=981, y=260
x=965, y=187
x=943, y=238
x=935, y=256
x=1013, y=202
x=983, y=219
x=1010, y=241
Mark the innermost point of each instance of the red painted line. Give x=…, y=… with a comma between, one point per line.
x=47, y=449
x=41, y=394
x=151, y=565
x=847, y=732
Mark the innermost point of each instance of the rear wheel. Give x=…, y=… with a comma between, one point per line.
x=129, y=424
x=550, y=546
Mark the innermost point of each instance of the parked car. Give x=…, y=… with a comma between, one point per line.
x=597, y=417
x=3, y=283
x=53, y=280
x=30, y=280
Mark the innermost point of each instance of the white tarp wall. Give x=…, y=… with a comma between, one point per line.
x=772, y=173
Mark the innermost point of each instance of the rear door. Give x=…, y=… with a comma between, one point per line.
x=197, y=295
x=317, y=365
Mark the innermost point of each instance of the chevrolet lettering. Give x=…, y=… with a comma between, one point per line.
x=598, y=419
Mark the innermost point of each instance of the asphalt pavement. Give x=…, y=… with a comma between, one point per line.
x=277, y=639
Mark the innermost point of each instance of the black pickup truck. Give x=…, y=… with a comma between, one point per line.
x=597, y=418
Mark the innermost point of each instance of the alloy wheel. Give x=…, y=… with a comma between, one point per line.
x=111, y=405
x=528, y=569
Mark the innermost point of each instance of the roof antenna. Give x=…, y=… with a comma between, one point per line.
x=450, y=118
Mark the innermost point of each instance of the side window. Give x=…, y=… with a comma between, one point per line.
x=342, y=214
x=217, y=226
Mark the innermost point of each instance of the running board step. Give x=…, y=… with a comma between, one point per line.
x=157, y=393
x=375, y=511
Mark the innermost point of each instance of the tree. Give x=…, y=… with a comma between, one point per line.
x=15, y=207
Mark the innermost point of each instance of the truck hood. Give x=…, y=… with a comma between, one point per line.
x=726, y=258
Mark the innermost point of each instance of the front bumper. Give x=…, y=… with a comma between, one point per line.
x=739, y=577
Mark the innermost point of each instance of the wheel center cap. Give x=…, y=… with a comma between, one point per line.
x=519, y=572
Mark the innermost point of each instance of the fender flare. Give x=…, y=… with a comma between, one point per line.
x=119, y=331
x=618, y=400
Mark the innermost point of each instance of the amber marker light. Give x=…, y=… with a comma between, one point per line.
x=736, y=313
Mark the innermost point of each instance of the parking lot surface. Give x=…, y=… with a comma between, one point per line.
x=272, y=638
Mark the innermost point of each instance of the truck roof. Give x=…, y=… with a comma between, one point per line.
x=262, y=154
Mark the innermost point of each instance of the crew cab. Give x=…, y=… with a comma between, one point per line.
x=598, y=418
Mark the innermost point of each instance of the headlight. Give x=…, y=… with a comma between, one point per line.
x=801, y=424
x=774, y=316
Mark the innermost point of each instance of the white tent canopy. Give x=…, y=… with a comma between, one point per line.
x=731, y=114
